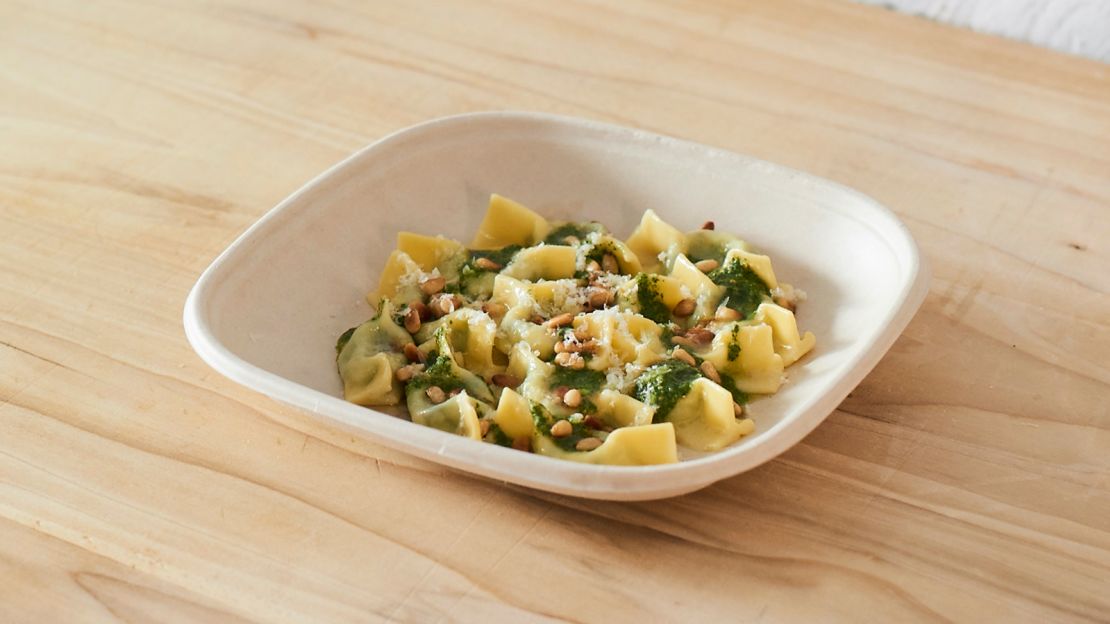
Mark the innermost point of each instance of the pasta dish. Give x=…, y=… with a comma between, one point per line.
x=560, y=339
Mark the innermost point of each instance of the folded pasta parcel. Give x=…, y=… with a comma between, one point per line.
x=560, y=339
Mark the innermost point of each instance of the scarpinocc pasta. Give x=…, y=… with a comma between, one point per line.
x=560, y=339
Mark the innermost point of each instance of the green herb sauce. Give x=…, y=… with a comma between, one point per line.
x=586, y=380
x=728, y=383
x=734, y=345
x=498, y=436
x=744, y=290
x=544, y=420
x=439, y=373
x=579, y=230
x=663, y=384
x=648, y=299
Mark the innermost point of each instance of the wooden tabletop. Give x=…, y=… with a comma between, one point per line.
x=967, y=478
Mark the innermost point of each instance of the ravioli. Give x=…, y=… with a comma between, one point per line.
x=560, y=339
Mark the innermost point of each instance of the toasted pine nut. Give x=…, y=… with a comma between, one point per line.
x=599, y=298
x=432, y=285
x=407, y=372
x=569, y=359
x=436, y=394
x=537, y=319
x=684, y=308
x=706, y=266
x=483, y=427
x=505, y=380
x=699, y=336
x=582, y=333
x=413, y=353
x=683, y=341
x=593, y=423
x=495, y=309
x=561, y=429
x=681, y=355
x=593, y=267
x=587, y=444
x=562, y=319
x=560, y=347
x=609, y=263
x=523, y=443
x=571, y=240
x=726, y=314
x=708, y=225
x=573, y=397
x=737, y=409
x=710, y=371
x=590, y=346
x=421, y=309
x=487, y=265
x=412, y=321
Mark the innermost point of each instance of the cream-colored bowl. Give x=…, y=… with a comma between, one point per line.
x=268, y=311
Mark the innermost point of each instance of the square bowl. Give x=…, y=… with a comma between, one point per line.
x=268, y=310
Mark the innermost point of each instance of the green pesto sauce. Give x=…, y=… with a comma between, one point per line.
x=579, y=230
x=663, y=384
x=650, y=302
x=502, y=256
x=744, y=290
x=437, y=374
x=586, y=380
x=728, y=383
x=498, y=436
x=733, y=345
x=344, y=338
x=544, y=420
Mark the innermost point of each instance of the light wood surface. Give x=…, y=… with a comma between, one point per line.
x=966, y=479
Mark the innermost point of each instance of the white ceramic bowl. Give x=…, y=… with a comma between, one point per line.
x=268, y=311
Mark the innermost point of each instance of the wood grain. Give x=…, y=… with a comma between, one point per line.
x=966, y=479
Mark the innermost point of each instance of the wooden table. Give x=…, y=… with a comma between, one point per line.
x=965, y=479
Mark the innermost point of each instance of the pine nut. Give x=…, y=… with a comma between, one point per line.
x=681, y=355
x=699, y=336
x=587, y=444
x=684, y=308
x=599, y=298
x=710, y=371
x=569, y=359
x=483, y=427
x=561, y=429
x=683, y=341
x=407, y=372
x=708, y=225
x=487, y=265
x=505, y=380
x=413, y=353
x=421, y=309
x=495, y=309
x=436, y=394
x=432, y=285
x=560, y=347
x=706, y=266
x=573, y=398
x=726, y=314
x=412, y=321
x=571, y=240
x=609, y=263
x=523, y=443
x=593, y=267
x=737, y=409
x=566, y=318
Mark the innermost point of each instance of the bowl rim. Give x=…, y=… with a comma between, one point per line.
x=550, y=474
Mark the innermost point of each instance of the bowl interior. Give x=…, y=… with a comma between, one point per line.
x=281, y=295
